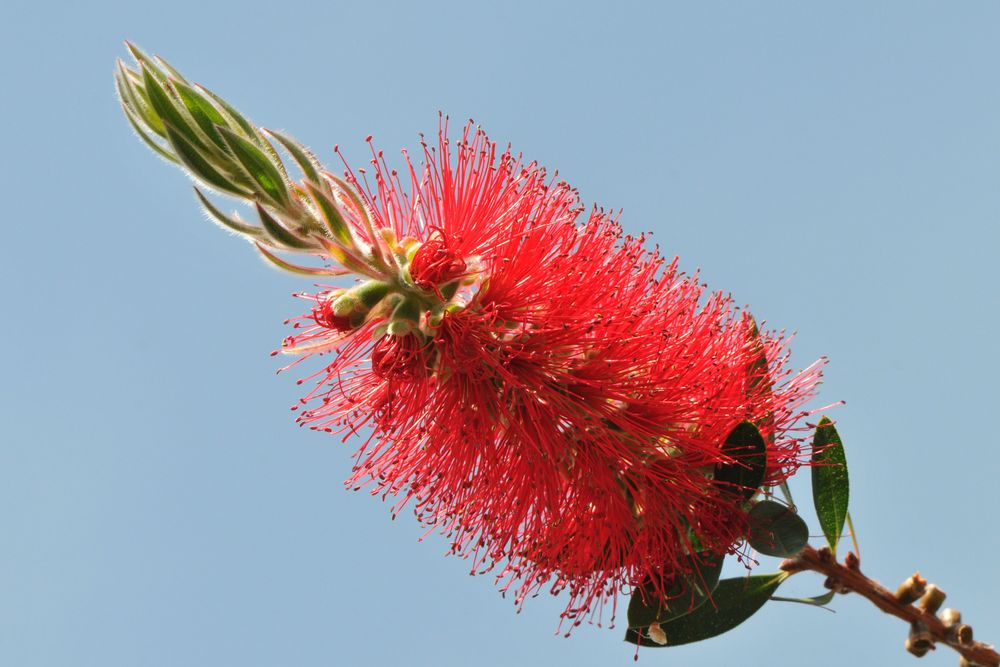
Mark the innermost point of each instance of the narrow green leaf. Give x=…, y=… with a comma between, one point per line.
x=815, y=601
x=237, y=118
x=295, y=268
x=685, y=594
x=278, y=232
x=331, y=216
x=830, y=484
x=166, y=67
x=307, y=162
x=746, y=446
x=141, y=131
x=133, y=97
x=145, y=62
x=200, y=168
x=758, y=369
x=257, y=166
x=733, y=601
x=775, y=530
x=203, y=112
x=268, y=148
x=166, y=107
x=225, y=220
x=136, y=119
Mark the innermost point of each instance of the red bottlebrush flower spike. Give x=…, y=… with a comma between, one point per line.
x=570, y=410
x=544, y=390
x=558, y=410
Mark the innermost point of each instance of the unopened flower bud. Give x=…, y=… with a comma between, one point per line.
x=407, y=310
x=324, y=316
x=910, y=590
x=851, y=561
x=657, y=635
x=400, y=328
x=361, y=298
x=371, y=292
x=344, y=305
x=951, y=616
x=963, y=633
x=933, y=599
x=825, y=554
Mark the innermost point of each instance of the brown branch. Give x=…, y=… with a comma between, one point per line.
x=926, y=627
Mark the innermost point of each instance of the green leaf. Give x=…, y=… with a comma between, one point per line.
x=139, y=125
x=274, y=260
x=733, y=601
x=145, y=61
x=134, y=98
x=331, y=216
x=684, y=595
x=746, y=446
x=166, y=67
x=200, y=168
x=206, y=115
x=758, y=370
x=831, y=488
x=237, y=118
x=307, y=162
x=257, y=165
x=226, y=221
x=278, y=232
x=166, y=108
x=815, y=601
x=776, y=530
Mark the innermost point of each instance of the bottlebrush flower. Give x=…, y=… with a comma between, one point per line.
x=541, y=388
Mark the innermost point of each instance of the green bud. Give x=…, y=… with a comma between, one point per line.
x=360, y=299
x=400, y=327
x=344, y=305
x=408, y=310
x=371, y=292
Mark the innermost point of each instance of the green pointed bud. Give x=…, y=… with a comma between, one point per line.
x=360, y=299
x=266, y=177
x=408, y=310
x=344, y=305
x=371, y=292
x=400, y=328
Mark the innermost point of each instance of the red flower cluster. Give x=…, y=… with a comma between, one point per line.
x=559, y=395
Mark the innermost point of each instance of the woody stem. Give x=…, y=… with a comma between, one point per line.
x=927, y=629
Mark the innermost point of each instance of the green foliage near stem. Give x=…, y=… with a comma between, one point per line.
x=815, y=601
x=683, y=596
x=733, y=601
x=748, y=451
x=215, y=144
x=830, y=484
x=776, y=530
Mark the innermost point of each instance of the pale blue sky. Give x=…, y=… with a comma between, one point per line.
x=836, y=168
